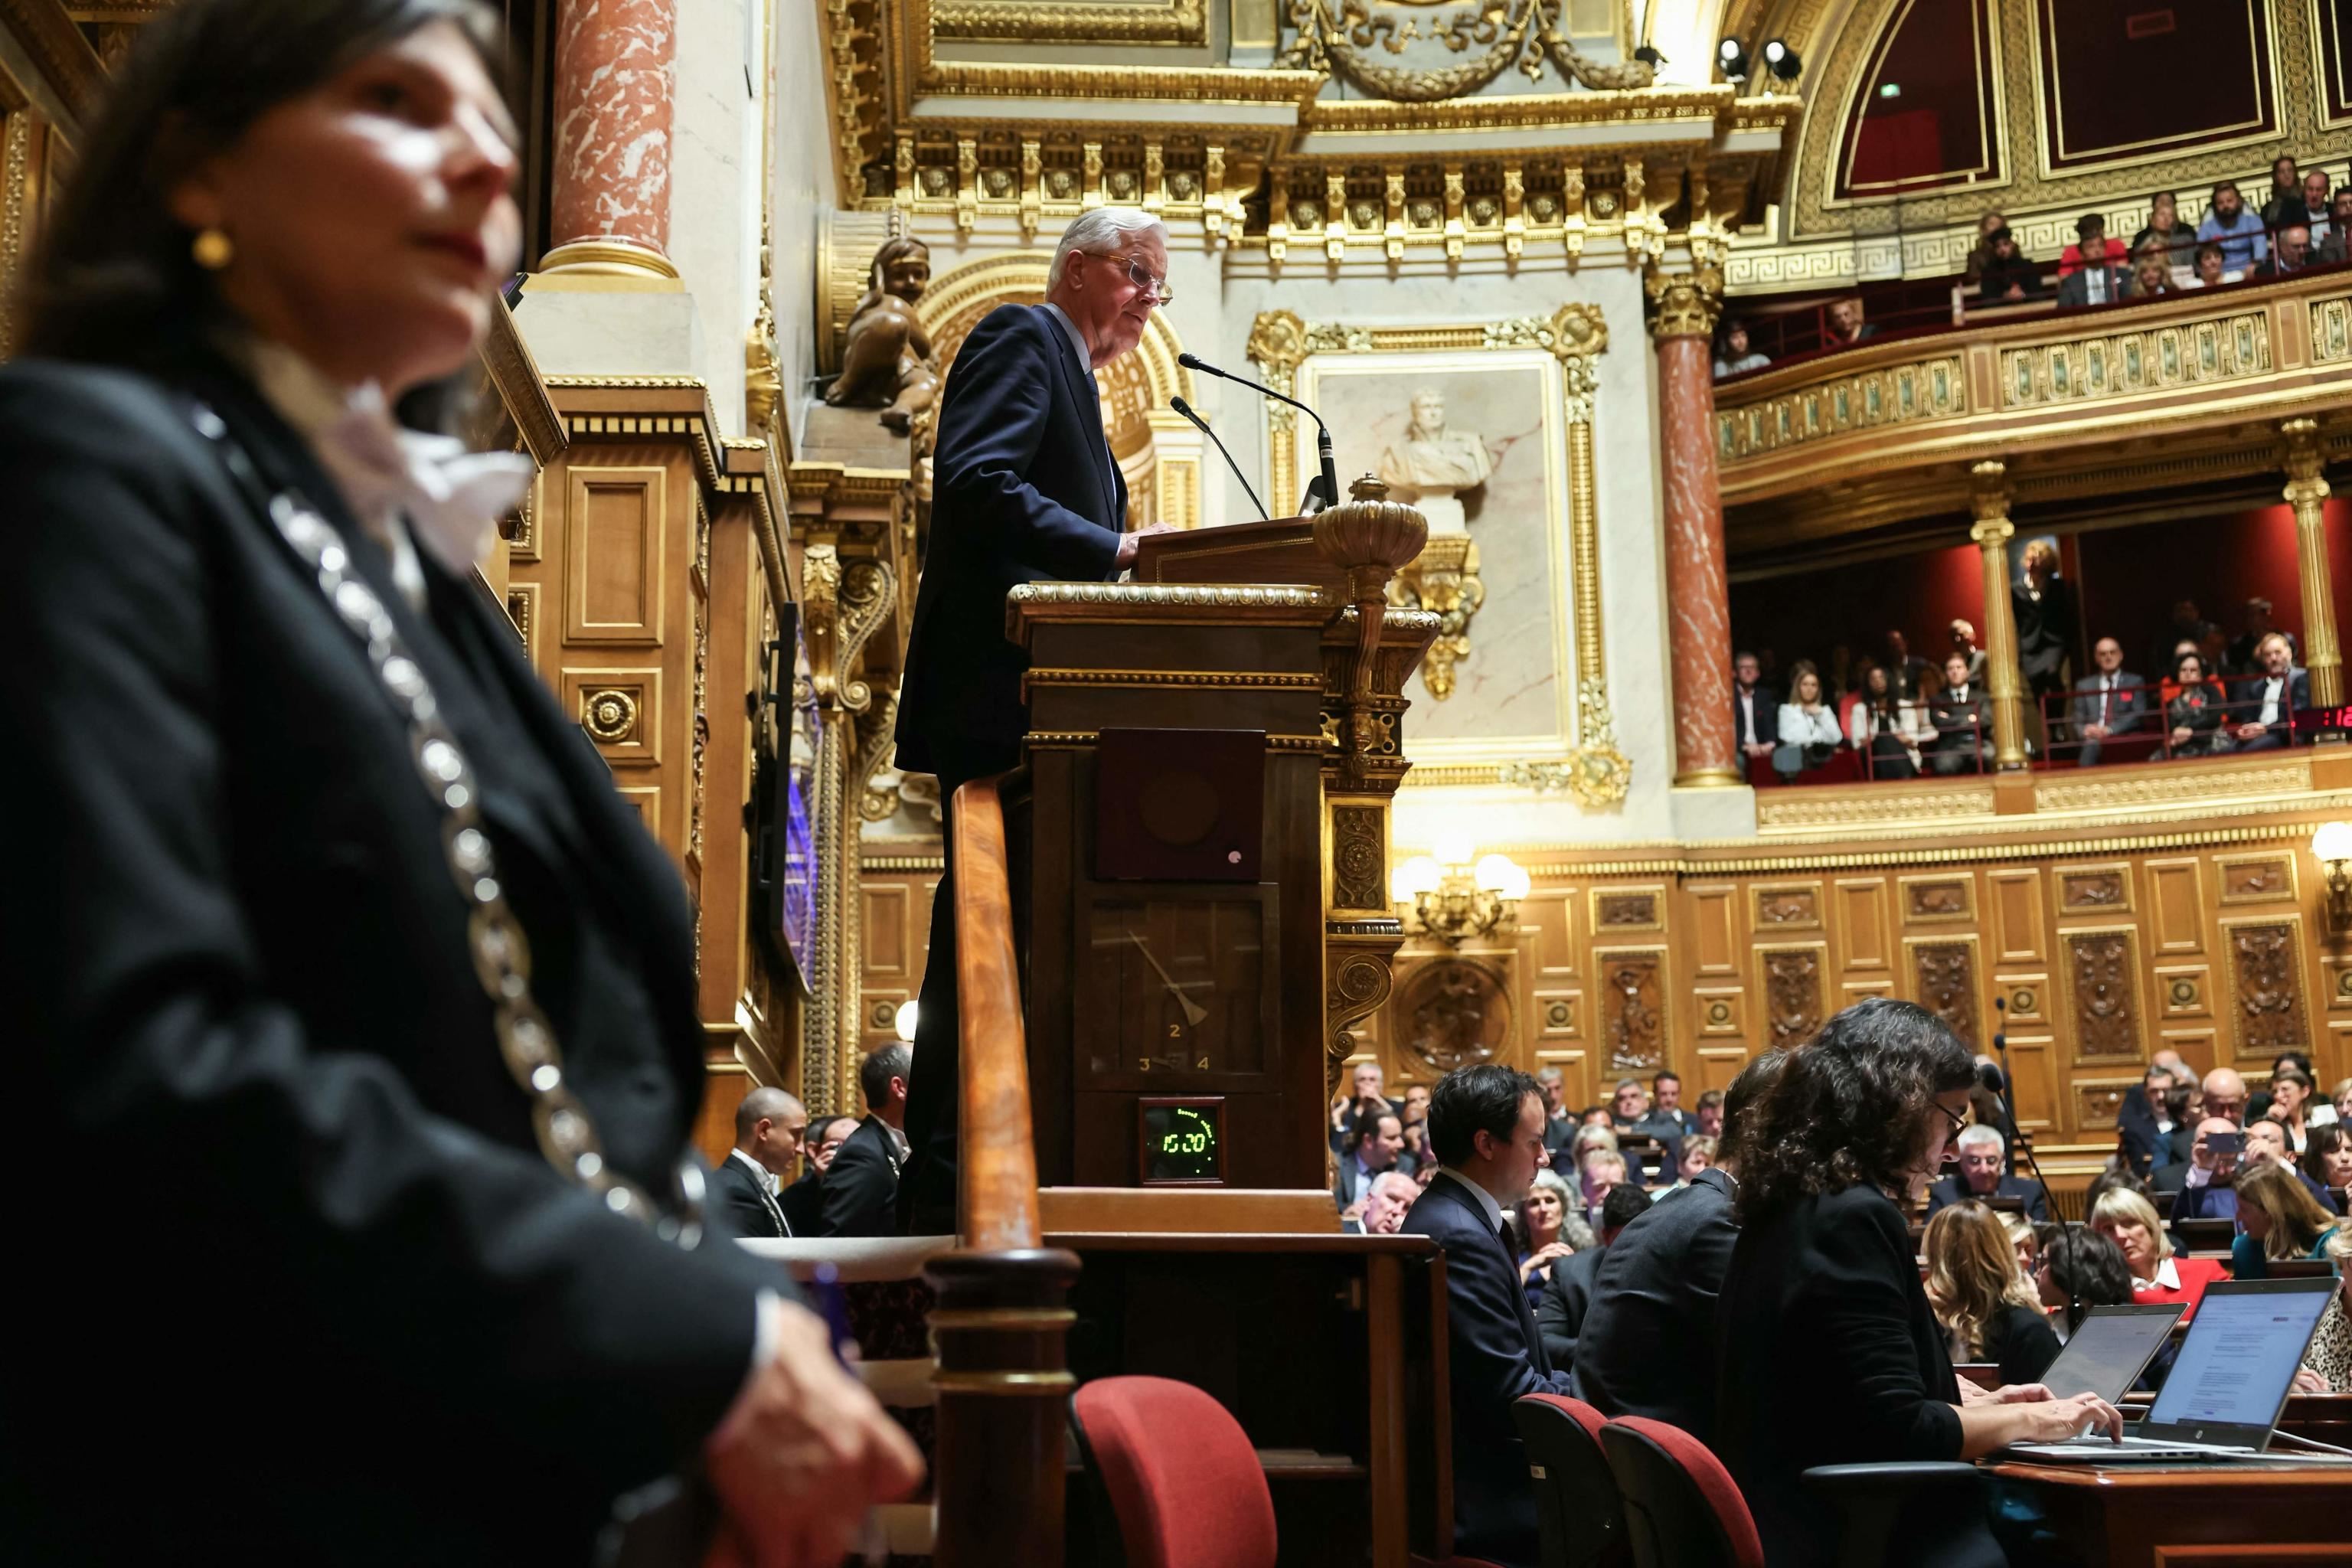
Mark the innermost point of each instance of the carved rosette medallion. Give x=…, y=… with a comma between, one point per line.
x=1359, y=858
x=608, y=714
x=1454, y=1013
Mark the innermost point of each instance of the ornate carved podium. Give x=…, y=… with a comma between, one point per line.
x=1212, y=753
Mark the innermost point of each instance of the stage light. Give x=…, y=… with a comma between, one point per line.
x=1782, y=60
x=1732, y=55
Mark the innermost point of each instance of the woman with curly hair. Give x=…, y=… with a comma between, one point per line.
x=1987, y=1306
x=1831, y=1351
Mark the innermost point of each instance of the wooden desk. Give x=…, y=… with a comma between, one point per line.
x=2148, y=1516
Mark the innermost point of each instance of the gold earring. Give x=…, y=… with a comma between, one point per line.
x=213, y=249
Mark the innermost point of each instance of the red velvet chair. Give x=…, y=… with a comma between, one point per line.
x=1182, y=1479
x=1682, y=1508
x=1576, y=1496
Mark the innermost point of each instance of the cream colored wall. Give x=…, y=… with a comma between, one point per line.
x=802, y=191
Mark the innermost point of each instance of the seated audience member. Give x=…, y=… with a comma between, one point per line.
x=803, y=1201
x=2327, y=1163
x=2188, y=626
x=1698, y=1154
x=2291, y=253
x=1962, y=636
x=2209, y=269
x=2263, y=715
x=1648, y=1338
x=1709, y=1115
x=2090, y=270
x=2080, y=1270
x=1882, y=728
x=2278, y=1219
x=1962, y=715
x=1629, y=1105
x=1988, y=224
x=2285, y=203
x=1414, y=1106
x=2258, y=1103
x=1602, y=1171
x=2208, y=1188
x=2315, y=202
x=2193, y=713
x=2328, y=1362
x=1372, y=1148
x=2008, y=276
x=2266, y=1145
x=2244, y=655
x=1754, y=709
x=768, y=1127
x=1537, y=1236
x=1364, y=1096
x=1830, y=1351
x=1735, y=357
x=1989, y=1310
x=1667, y=1112
x=2150, y=278
x=1903, y=668
x=2236, y=230
x=2290, y=1106
x=2340, y=1100
x=2025, y=1236
x=861, y=1186
x=1566, y=1299
x=2171, y=240
x=2222, y=1094
x=1846, y=325
x=1485, y=1123
x=2113, y=701
x=2337, y=248
x=2143, y=1125
x=1984, y=1158
x=1392, y=1194
x=1807, y=725
x=2130, y=1220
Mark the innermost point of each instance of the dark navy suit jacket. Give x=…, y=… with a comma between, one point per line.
x=1023, y=489
x=1495, y=1356
x=1647, y=1344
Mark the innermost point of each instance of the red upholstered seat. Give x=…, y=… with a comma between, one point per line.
x=1682, y=1508
x=1576, y=1496
x=1181, y=1477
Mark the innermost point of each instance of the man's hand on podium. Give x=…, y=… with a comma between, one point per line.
x=1128, y=543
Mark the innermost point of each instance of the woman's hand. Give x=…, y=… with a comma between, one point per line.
x=2048, y=1420
x=1551, y=1252
x=2180, y=734
x=2308, y=1381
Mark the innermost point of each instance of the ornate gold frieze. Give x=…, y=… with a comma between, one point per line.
x=1073, y=21
x=2188, y=354
x=1792, y=810
x=1684, y=304
x=1204, y=677
x=1840, y=403
x=2163, y=786
x=1332, y=35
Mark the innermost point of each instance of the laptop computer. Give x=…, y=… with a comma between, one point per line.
x=2110, y=1348
x=2227, y=1388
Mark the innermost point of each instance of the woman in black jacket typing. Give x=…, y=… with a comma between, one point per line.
x=1831, y=1354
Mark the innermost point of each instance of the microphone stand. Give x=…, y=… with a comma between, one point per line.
x=1330, y=480
x=2007, y=1096
x=1180, y=406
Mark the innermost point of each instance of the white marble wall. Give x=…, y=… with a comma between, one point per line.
x=804, y=190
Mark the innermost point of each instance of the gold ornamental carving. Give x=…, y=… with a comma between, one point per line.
x=1072, y=21
x=2306, y=491
x=1945, y=974
x=1361, y=981
x=2103, y=969
x=1443, y=580
x=1334, y=36
x=1684, y=304
x=1368, y=536
x=1792, y=994
x=2266, y=971
x=1632, y=1010
x=609, y=714
x=1454, y=1012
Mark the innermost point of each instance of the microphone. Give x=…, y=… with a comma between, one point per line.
x=1330, y=477
x=2006, y=1096
x=1180, y=406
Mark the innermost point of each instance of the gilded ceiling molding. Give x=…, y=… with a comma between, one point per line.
x=64, y=75
x=1072, y=21
x=1332, y=35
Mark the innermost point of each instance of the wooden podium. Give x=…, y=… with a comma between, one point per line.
x=1211, y=753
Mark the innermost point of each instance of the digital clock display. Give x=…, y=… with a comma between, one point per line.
x=1183, y=1140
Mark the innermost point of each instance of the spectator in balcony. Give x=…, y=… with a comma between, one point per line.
x=1963, y=636
x=2209, y=269
x=2150, y=278
x=2263, y=719
x=1732, y=355
x=2172, y=239
x=2043, y=603
x=1754, y=709
x=2187, y=626
x=2285, y=203
x=2193, y=715
x=1979, y=253
x=1903, y=668
x=1808, y=728
x=2336, y=247
x=2088, y=285
x=2008, y=277
x=1963, y=720
x=2092, y=249
x=2315, y=203
x=2238, y=232
x=2112, y=703
x=2244, y=655
x=1879, y=728
x=1846, y=325
x=2292, y=253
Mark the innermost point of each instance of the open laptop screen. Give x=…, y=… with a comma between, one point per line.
x=2236, y=1365
x=2108, y=1350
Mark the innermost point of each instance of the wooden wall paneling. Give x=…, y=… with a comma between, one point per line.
x=1939, y=897
x=1943, y=975
x=1617, y=909
x=2177, y=904
x=2033, y=1073
x=2268, y=877
x=2018, y=925
x=1632, y=983
x=1722, y=1012
x=2196, y=1044
x=2104, y=1010
x=1715, y=1067
x=2095, y=889
x=2268, y=995
x=2184, y=991
x=647, y=801
x=2336, y=981
x=2334, y=1059
x=1781, y=907
x=2098, y=1101
x=617, y=517
x=2025, y=1000
x=1794, y=982
x=1714, y=929
x=1547, y=922
x=1860, y=924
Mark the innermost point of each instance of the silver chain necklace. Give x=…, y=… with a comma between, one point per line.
x=566, y=1131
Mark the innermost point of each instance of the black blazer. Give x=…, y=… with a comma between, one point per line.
x=1766, y=729
x=734, y=1187
x=1648, y=1343
x=1495, y=1356
x=233, y=934
x=1567, y=1298
x=1950, y=1189
x=1022, y=489
x=2020, y=1342
x=861, y=1185
x=1829, y=1356
x=804, y=1204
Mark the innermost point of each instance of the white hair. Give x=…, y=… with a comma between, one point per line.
x=1976, y=1135
x=1098, y=228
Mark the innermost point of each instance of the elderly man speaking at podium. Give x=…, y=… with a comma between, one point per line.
x=1025, y=487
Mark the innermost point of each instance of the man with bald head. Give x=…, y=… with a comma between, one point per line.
x=768, y=1127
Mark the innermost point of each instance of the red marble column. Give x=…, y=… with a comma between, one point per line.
x=1698, y=604
x=615, y=64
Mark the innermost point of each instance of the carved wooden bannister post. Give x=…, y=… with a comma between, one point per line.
x=1989, y=488
x=2306, y=491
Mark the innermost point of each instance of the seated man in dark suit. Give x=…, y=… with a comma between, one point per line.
x=1962, y=715
x=861, y=1188
x=1983, y=1153
x=2263, y=718
x=1755, y=710
x=1371, y=1150
x=1568, y=1296
x=803, y=1201
x=2113, y=701
x=768, y=1127
x=1487, y=1125
x=1667, y=1112
x=2146, y=1122
x=1647, y=1343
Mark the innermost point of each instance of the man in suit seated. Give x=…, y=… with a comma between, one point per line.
x=1667, y=1112
x=1568, y=1295
x=1487, y=1126
x=768, y=1127
x=803, y=1201
x=2264, y=716
x=1754, y=709
x=1372, y=1149
x=2112, y=703
x=2092, y=278
x=861, y=1187
x=1963, y=720
x=1647, y=1343
x=1982, y=1155
x=1385, y=1203
x=2144, y=1124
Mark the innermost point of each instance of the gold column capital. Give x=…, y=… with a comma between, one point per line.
x=1684, y=304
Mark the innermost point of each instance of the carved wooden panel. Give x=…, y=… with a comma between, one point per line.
x=1853, y=991
x=1359, y=857
x=1618, y=910
x=522, y=609
x=2025, y=997
x=1721, y=1010
x=2032, y=1060
x=2103, y=978
x=2017, y=917
x=1548, y=932
x=1452, y=1012
x=2184, y=990
x=1944, y=979
x=1861, y=922
x=2266, y=1009
x=1633, y=1008
x=1713, y=930
x=646, y=801
x=612, y=554
x=2256, y=878
x=1717, y=1066
x=621, y=710
x=2099, y=1101
x=1792, y=993
x=1556, y=1014
x=523, y=531
x=1781, y=907
x=2176, y=903
x=2197, y=1047
x=1928, y=900
x=2337, y=970
x=2095, y=891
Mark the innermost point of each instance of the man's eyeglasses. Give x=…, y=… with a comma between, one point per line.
x=1142, y=276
